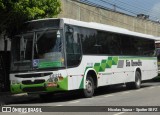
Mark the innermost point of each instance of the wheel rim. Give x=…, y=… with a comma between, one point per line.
x=89, y=86
x=138, y=81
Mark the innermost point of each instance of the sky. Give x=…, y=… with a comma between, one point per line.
x=134, y=7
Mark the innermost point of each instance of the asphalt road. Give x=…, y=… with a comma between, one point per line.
x=148, y=95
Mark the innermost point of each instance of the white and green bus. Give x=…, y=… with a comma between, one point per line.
x=52, y=55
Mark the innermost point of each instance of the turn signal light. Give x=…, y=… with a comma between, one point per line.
x=60, y=78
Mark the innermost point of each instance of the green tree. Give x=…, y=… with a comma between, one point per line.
x=15, y=12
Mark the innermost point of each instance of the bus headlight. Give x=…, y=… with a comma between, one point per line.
x=13, y=82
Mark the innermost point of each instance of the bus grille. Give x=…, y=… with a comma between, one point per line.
x=29, y=82
x=33, y=89
x=33, y=75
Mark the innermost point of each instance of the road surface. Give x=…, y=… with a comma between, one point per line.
x=148, y=95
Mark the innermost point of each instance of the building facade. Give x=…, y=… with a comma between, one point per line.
x=79, y=11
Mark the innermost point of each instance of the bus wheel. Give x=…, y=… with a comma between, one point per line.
x=137, y=83
x=89, y=90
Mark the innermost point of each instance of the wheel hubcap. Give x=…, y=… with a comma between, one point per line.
x=89, y=86
x=138, y=82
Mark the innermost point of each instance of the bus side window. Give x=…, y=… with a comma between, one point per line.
x=114, y=44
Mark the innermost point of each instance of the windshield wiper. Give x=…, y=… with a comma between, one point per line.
x=37, y=38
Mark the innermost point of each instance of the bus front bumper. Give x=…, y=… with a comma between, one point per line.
x=43, y=87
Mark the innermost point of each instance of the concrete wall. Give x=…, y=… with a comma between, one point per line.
x=79, y=11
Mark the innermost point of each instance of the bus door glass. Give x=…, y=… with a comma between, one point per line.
x=73, y=46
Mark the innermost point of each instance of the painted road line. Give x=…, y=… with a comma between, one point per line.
x=151, y=87
x=23, y=113
x=108, y=95
x=119, y=113
x=74, y=102
x=139, y=90
x=90, y=98
x=126, y=92
x=59, y=105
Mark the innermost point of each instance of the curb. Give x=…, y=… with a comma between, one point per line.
x=21, y=94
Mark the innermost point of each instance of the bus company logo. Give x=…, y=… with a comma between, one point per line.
x=35, y=63
x=6, y=109
x=133, y=63
x=33, y=79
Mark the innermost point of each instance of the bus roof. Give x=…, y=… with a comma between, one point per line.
x=104, y=27
x=157, y=41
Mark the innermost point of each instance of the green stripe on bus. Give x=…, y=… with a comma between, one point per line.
x=100, y=67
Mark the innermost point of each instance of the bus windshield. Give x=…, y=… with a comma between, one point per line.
x=37, y=50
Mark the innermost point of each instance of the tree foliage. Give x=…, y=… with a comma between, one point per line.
x=15, y=12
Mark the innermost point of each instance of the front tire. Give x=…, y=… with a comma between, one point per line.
x=89, y=90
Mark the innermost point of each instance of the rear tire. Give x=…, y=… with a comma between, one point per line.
x=89, y=90
x=137, y=83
